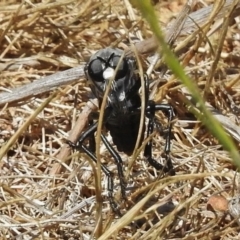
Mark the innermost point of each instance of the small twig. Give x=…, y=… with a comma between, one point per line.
x=74, y=135
x=42, y=85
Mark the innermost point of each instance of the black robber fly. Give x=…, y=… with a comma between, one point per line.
x=122, y=113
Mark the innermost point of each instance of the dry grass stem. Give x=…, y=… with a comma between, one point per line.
x=48, y=192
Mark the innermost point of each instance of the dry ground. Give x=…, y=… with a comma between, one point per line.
x=46, y=193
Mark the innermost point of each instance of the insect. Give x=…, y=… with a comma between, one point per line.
x=122, y=113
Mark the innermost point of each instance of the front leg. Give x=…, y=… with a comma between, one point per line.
x=151, y=109
x=88, y=150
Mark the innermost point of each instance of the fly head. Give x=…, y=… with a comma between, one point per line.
x=108, y=64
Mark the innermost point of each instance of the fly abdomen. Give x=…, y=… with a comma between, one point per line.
x=124, y=134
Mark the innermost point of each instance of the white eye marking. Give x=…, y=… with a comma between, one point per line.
x=122, y=96
x=109, y=99
x=108, y=73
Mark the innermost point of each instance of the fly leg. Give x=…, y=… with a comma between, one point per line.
x=88, y=150
x=118, y=161
x=152, y=107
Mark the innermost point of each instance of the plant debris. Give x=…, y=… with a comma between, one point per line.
x=47, y=192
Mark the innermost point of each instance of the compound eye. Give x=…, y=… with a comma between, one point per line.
x=95, y=70
x=123, y=67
